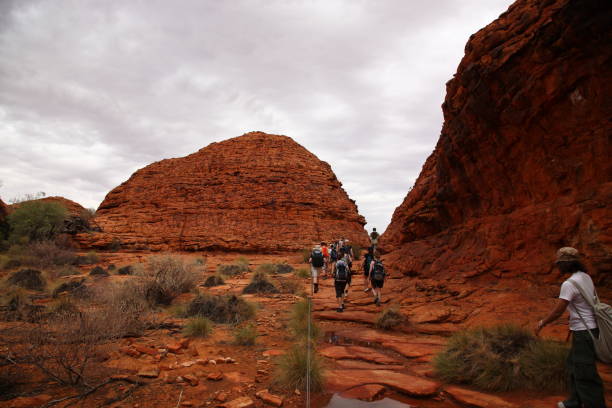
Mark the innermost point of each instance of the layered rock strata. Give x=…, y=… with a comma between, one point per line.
x=256, y=192
x=522, y=165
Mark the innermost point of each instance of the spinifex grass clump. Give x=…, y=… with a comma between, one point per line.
x=246, y=335
x=297, y=364
x=302, y=273
x=221, y=309
x=28, y=279
x=390, y=318
x=300, y=319
x=240, y=266
x=260, y=284
x=502, y=358
x=198, y=327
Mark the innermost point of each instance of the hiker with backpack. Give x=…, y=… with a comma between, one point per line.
x=316, y=262
x=325, y=251
x=377, y=277
x=374, y=238
x=579, y=296
x=333, y=258
x=367, y=260
x=341, y=276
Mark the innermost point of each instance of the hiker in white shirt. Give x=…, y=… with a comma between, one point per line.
x=585, y=385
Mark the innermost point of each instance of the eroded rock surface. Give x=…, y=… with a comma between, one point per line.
x=256, y=192
x=522, y=165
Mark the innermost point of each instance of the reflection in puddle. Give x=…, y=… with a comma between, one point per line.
x=339, y=402
x=332, y=338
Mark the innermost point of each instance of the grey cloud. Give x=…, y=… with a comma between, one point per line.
x=91, y=91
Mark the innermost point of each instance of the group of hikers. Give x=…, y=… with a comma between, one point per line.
x=336, y=261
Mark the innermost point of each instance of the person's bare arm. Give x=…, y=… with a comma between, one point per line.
x=554, y=315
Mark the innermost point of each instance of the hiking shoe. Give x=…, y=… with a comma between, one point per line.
x=560, y=404
x=366, y=290
x=339, y=309
x=316, y=287
x=377, y=301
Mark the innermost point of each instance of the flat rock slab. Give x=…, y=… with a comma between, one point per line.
x=242, y=402
x=378, y=336
x=357, y=353
x=348, y=316
x=342, y=380
x=411, y=350
x=366, y=392
x=477, y=399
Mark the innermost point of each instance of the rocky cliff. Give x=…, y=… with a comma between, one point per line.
x=256, y=192
x=522, y=165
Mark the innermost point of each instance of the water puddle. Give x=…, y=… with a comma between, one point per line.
x=340, y=402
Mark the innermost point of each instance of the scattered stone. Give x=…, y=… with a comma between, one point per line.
x=273, y=353
x=191, y=379
x=367, y=392
x=174, y=348
x=149, y=372
x=242, y=402
x=215, y=376
x=221, y=396
x=342, y=380
x=188, y=363
x=477, y=399
x=212, y=362
x=129, y=351
x=145, y=350
x=268, y=398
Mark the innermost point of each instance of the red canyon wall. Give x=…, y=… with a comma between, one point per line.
x=256, y=192
x=523, y=164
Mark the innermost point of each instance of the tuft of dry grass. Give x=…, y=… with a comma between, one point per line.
x=389, y=319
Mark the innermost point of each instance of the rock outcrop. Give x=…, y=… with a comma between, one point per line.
x=256, y=192
x=522, y=165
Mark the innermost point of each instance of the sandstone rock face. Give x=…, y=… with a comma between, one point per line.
x=522, y=166
x=256, y=192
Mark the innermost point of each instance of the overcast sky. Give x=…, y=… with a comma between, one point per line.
x=91, y=91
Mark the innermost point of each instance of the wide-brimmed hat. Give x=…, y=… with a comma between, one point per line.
x=567, y=254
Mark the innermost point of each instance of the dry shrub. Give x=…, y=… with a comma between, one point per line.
x=283, y=268
x=289, y=286
x=48, y=253
x=214, y=280
x=125, y=270
x=28, y=279
x=389, y=319
x=17, y=306
x=166, y=277
x=233, y=269
x=221, y=309
x=76, y=288
x=301, y=322
x=502, y=358
x=98, y=271
x=260, y=284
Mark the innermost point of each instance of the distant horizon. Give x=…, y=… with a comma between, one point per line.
x=90, y=93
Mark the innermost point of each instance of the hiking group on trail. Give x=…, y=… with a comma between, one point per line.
x=336, y=261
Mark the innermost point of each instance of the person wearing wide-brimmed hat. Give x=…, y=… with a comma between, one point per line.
x=585, y=385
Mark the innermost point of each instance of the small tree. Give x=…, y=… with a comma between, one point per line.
x=36, y=221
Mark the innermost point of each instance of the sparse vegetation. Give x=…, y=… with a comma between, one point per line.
x=390, y=318
x=502, y=358
x=98, y=271
x=214, y=280
x=301, y=319
x=198, y=327
x=75, y=287
x=289, y=286
x=166, y=277
x=233, y=269
x=294, y=365
x=125, y=270
x=266, y=268
x=260, y=284
x=245, y=335
x=179, y=310
x=302, y=273
x=36, y=221
x=28, y=279
x=283, y=268
x=115, y=245
x=221, y=309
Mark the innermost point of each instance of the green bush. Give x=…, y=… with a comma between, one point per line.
x=246, y=335
x=260, y=284
x=300, y=320
x=283, y=268
x=35, y=221
x=389, y=319
x=501, y=358
x=297, y=364
x=214, y=280
x=198, y=327
x=221, y=309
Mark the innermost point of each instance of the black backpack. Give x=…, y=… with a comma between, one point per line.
x=317, y=258
x=378, y=274
x=341, y=272
x=333, y=255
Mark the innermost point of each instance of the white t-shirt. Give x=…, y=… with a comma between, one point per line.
x=576, y=302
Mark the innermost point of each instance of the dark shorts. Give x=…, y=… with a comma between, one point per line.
x=366, y=272
x=340, y=286
x=377, y=283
